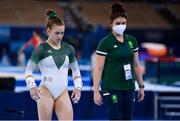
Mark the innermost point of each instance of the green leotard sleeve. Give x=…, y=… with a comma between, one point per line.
x=72, y=56
x=37, y=54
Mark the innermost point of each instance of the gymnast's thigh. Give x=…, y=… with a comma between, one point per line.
x=63, y=106
x=45, y=104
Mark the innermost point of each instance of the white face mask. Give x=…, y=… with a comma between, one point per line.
x=119, y=29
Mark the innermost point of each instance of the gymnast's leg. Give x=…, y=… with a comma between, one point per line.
x=63, y=106
x=45, y=104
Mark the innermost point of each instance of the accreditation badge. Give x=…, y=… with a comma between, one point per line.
x=127, y=72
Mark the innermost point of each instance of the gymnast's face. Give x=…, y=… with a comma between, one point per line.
x=56, y=33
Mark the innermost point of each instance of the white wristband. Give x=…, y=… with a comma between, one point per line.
x=78, y=83
x=30, y=82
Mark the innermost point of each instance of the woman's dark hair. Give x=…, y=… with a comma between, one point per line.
x=52, y=18
x=117, y=10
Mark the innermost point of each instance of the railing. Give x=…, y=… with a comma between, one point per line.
x=167, y=106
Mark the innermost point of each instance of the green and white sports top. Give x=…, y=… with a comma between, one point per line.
x=54, y=65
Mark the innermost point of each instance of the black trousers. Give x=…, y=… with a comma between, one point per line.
x=119, y=104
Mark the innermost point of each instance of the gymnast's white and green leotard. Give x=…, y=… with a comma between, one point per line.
x=54, y=65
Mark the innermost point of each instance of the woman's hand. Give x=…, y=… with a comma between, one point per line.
x=98, y=98
x=76, y=95
x=35, y=93
x=140, y=94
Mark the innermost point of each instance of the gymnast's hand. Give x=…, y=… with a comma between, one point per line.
x=35, y=93
x=76, y=95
